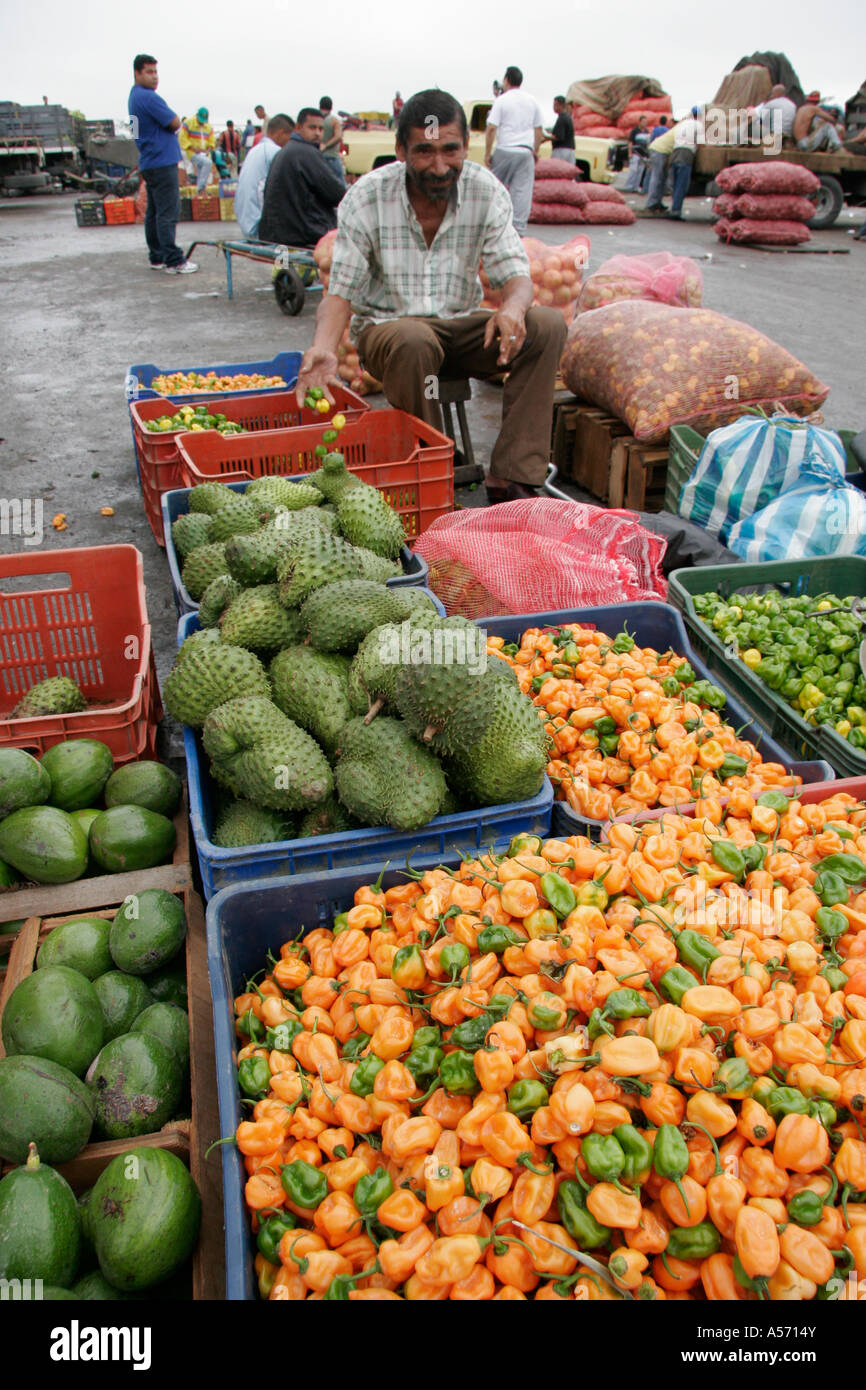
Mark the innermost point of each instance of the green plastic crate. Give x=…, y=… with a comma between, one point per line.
x=685, y=448
x=844, y=574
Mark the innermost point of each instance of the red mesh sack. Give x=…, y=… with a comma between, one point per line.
x=774, y=207
x=612, y=213
x=603, y=132
x=555, y=214
x=654, y=366
x=555, y=271
x=774, y=176
x=656, y=104
x=561, y=191
x=602, y=193
x=584, y=123
x=725, y=205
x=629, y=119
x=555, y=169
x=743, y=231
x=580, y=113
x=658, y=276
x=522, y=557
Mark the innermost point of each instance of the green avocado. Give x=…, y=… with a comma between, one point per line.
x=144, y=1217
x=44, y=1104
x=121, y=999
x=40, y=1234
x=44, y=844
x=126, y=838
x=79, y=769
x=136, y=1082
x=147, y=932
x=23, y=781
x=82, y=944
x=149, y=784
x=54, y=1013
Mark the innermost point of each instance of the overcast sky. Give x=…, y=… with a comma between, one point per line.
x=228, y=55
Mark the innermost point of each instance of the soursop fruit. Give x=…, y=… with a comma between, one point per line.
x=256, y=619
x=312, y=688
x=330, y=817
x=374, y=671
x=237, y=518
x=201, y=567
x=243, y=823
x=210, y=497
x=366, y=519
x=303, y=522
x=338, y=616
x=384, y=777
x=216, y=599
x=333, y=478
x=57, y=695
x=264, y=757
x=208, y=672
x=314, y=560
x=189, y=532
x=508, y=761
x=447, y=705
x=252, y=560
x=270, y=492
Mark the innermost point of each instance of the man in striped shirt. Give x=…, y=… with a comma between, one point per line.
x=411, y=239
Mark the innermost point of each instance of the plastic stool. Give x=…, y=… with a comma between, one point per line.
x=456, y=392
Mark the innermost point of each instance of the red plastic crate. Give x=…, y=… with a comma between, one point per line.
x=408, y=461
x=79, y=613
x=158, y=458
x=206, y=207
x=119, y=211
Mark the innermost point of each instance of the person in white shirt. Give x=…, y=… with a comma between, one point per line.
x=686, y=135
x=250, y=192
x=515, y=130
x=777, y=101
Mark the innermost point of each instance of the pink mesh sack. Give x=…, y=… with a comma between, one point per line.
x=774, y=207
x=555, y=271
x=725, y=205
x=744, y=231
x=613, y=213
x=658, y=276
x=522, y=557
x=654, y=366
x=773, y=176
x=555, y=214
x=561, y=191
x=555, y=169
x=603, y=193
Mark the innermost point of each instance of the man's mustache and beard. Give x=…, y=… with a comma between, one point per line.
x=433, y=186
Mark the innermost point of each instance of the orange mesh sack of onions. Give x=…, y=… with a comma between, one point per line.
x=556, y=273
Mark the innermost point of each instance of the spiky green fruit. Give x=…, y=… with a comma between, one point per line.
x=338, y=616
x=447, y=705
x=271, y=491
x=333, y=478
x=210, y=497
x=312, y=688
x=206, y=674
x=374, y=671
x=252, y=560
x=366, y=519
x=508, y=762
x=216, y=599
x=328, y=818
x=256, y=619
x=264, y=757
x=315, y=560
x=243, y=823
x=189, y=532
x=57, y=695
x=201, y=567
x=237, y=518
x=203, y=637
x=384, y=777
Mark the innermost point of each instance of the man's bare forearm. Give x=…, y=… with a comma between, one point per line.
x=517, y=293
x=489, y=141
x=332, y=318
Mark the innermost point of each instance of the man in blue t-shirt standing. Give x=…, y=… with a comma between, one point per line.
x=154, y=129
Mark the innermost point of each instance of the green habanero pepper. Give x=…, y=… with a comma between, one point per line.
x=786, y=1100
x=355, y=1046
x=282, y=1035
x=674, y=983
x=605, y=725
x=753, y=856
x=365, y=1074
x=497, y=938
x=729, y=857
x=593, y=894
x=609, y=745
x=693, y=1242
x=428, y=1036
x=670, y=686
x=457, y=1073
x=626, y=1003
x=525, y=844
x=831, y=888
x=271, y=1233
x=254, y=1077
x=424, y=1062
x=684, y=674
x=695, y=950
x=543, y=1018
x=541, y=922
x=823, y=1111
x=499, y=1006
x=559, y=894
x=370, y=1192
x=603, y=1156
x=454, y=958
x=525, y=1097
x=339, y=1287
x=470, y=1034
x=849, y=867
x=249, y=1025
x=637, y=1151
x=733, y=766
x=303, y=1184
x=776, y=800
x=734, y=1079
x=623, y=643
x=341, y=923
x=671, y=1157
x=598, y=1024
x=836, y=978
x=577, y=1220
x=830, y=923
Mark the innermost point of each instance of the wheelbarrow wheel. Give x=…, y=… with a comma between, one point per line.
x=289, y=291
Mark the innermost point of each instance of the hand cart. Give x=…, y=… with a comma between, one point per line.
x=294, y=269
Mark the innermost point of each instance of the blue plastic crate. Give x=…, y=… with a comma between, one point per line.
x=176, y=503
x=244, y=923
x=285, y=364
x=660, y=626
x=465, y=830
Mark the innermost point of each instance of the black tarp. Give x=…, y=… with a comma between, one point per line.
x=780, y=70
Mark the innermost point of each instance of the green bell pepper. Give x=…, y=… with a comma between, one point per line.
x=303, y=1184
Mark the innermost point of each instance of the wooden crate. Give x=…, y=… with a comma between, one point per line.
x=188, y=1139
x=638, y=475
x=596, y=451
x=565, y=409
x=51, y=900
x=594, y=438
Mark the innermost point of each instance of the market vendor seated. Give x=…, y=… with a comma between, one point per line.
x=411, y=238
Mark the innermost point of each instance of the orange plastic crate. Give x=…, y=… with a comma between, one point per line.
x=119, y=210
x=79, y=613
x=206, y=207
x=159, y=462
x=408, y=461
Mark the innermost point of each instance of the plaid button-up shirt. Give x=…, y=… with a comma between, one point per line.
x=384, y=267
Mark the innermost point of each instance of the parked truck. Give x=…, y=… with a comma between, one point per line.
x=44, y=148
x=842, y=174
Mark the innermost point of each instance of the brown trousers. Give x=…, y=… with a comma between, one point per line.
x=408, y=356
